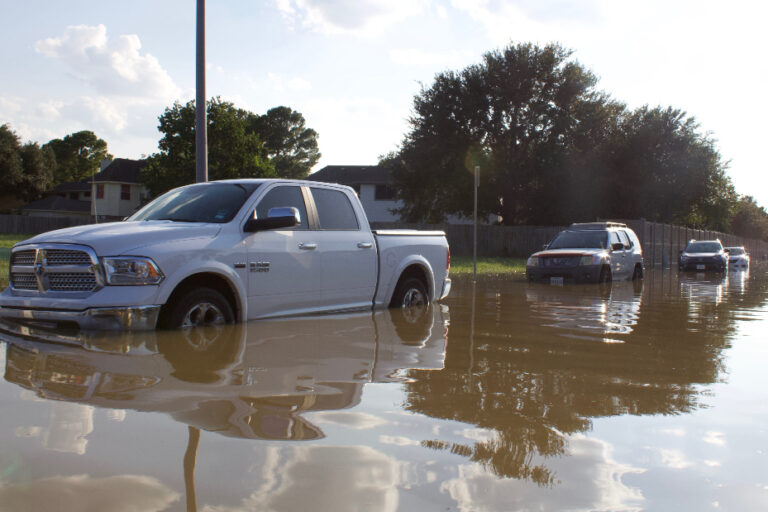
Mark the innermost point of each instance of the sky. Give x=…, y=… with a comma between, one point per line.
x=353, y=67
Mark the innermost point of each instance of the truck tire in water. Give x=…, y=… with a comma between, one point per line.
x=409, y=292
x=201, y=306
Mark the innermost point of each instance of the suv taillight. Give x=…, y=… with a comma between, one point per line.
x=447, y=259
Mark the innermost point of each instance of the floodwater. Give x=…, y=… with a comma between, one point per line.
x=507, y=396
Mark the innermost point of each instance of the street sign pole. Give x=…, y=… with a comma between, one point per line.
x=201, y=118
x=474, y=244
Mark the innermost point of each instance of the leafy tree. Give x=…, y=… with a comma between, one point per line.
x=291, y=146
x=26, y=170
x=520, y=112
x=552, y=149
x=78, y=155
x=241, y=144
x=750, y=220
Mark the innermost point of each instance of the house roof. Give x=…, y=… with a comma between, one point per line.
x=58, y=204
x=352, y=175
x=83, y=185
x=122, y=170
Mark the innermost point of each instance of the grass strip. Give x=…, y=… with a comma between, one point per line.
x=462, y=266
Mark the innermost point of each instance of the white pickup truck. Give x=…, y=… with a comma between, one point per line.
x=222, y=252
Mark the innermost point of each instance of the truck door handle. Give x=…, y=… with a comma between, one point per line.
x=364, y=245
x=308, y=247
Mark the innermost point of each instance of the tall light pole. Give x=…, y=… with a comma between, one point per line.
x=474, y=232
x=201, y=118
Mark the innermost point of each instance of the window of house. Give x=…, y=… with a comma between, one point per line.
x=100, y=191
x=87, y=194
x=125, y=192
x=73, y=195
x=384, y=193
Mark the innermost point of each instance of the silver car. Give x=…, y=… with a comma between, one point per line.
x=588, y=252
x=738, y=258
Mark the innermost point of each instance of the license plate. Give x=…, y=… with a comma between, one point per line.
x=701, y=267
x=556, y=281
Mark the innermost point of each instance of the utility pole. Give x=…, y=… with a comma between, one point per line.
x=201, y=118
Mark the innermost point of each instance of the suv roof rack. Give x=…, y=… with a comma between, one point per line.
x=597, y=225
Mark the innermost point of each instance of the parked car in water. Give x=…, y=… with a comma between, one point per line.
x=588, y=252
x=703, y=256
x=738, y=258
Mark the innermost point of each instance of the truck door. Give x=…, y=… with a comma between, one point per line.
x=283, y=265
x=348, y=252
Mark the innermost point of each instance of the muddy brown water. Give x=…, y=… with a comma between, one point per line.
x=506, y=396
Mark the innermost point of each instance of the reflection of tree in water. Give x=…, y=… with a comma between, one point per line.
x=533, y=381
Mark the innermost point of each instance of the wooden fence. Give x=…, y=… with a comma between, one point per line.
x=28, y=224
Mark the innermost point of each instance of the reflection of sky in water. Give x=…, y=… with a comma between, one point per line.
x=585, y=311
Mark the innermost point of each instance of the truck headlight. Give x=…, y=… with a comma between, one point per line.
x=131, y=271
x=533, y=261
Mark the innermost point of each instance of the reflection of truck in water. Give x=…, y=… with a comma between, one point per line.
x=586, y=311
x=249, y=380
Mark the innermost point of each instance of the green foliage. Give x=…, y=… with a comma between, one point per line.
x=552, y=149
x=291, y=146
x=750, y=220
x=26, y=171
x=78, y=155
x=241, y=144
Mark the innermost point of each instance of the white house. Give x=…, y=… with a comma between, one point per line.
x=116, y=190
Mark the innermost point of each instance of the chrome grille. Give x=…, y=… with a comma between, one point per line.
x=64, y=257
x=23, y=258
x=55, y=268
x=23, y=281
x=72, y=282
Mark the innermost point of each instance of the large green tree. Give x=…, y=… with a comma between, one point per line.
x=552, y=149
x=78, y=155
x=291, y=146
x=750, y=220
x=241, y=144
x=26, y=170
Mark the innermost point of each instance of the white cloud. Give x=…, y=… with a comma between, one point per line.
x=365, y=18
x=110, y=66
x=423, y=58
x=674, y=459
x=354, y=420
x=398, y=441
x=121, y=493
x=283, y=83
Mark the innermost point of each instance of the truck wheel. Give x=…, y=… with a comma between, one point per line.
x=410, y=292
x=605, y=275
x=201, y=306
x=638, y=273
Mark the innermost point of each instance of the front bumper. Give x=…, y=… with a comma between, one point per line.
x=577, y=274
x=708, y=266
x=136, y=318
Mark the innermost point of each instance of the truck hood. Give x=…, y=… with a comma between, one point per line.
x=116, y=238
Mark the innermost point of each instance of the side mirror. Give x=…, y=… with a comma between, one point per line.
x=280, y=217
x=617, y=246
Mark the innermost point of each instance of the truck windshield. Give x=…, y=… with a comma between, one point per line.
x=205, y=202
x=579, y=240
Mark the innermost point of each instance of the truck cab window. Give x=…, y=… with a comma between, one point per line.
x=334, y=209
x=286, y=195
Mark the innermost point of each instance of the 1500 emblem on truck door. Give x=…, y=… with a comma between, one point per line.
x=260, y=266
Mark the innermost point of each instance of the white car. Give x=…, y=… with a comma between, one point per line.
x=222, y=252
x=738, y=259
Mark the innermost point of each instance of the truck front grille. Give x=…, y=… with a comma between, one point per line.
x=54, y=267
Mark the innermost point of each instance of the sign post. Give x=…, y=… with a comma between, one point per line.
x=474, y=235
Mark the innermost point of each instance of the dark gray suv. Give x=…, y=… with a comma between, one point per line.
x=588, y=252
x=703, y=256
